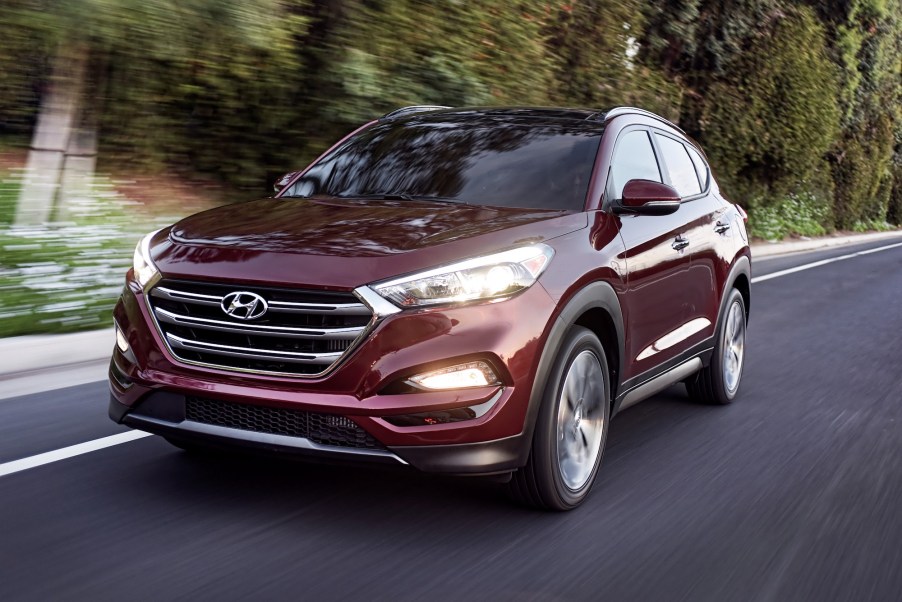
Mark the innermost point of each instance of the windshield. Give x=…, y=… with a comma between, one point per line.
x=496, y=160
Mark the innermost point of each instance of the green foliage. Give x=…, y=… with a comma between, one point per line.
x=785, y=95
x=769, y=122
x=872, y=226
x=67, y=276
x=9, y=196
x=391, y=54
x=802, y=214
x=870, y=43
x=595, y=49
x=23, y=52
x=894, y=206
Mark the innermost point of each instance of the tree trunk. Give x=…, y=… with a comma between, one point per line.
x=53, y=135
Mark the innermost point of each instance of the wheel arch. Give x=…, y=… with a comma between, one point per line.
x=740, y=278
x=596, y=307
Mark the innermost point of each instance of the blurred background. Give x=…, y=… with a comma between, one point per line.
x=119, y=116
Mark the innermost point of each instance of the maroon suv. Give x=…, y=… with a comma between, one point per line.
x=464, y=291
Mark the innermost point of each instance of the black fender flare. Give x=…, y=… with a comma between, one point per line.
x=742, y=265
x=597, y=295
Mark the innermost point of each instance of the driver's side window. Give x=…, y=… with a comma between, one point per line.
x=634, y=159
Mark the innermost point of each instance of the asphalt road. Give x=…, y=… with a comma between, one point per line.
x=794, y=492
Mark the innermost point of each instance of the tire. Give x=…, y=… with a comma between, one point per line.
x=568, y=441
x=718, y=383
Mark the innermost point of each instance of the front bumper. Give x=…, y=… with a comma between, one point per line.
x=149, y=387
x=163, y=414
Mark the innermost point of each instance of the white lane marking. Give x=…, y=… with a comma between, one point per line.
x=815, y=264
x=89, y=446
x=69, y=452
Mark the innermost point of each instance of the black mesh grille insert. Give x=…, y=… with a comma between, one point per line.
x=325, y=429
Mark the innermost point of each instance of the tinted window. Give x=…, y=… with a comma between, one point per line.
x=634, y=160
x=679, y=166
x=500, y=160
x=701, y=168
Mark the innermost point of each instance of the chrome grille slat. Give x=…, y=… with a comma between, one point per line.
x=303, y=333
x=344, y=309
x=350, y=309
x=166, y=293
x=281, y=331
x=325, y=359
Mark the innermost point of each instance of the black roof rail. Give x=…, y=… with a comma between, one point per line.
x=411, y=110
x=618, y=111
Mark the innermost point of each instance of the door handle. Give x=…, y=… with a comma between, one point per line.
x=721, y=227
x=680, y=243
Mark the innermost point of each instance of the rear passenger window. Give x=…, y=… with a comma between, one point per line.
x=701, y=168
x=679, y=166
x=634, y=160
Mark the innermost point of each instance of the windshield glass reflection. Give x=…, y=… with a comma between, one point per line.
x=499, y=160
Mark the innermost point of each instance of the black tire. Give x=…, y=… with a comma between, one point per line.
x=541, y=482
x=709, y=385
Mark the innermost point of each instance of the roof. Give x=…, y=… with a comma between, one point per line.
x=550, y=113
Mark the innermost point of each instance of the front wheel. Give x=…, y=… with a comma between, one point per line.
x=571, y=428
x=718, y=383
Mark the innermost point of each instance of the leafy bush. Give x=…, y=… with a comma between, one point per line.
x=770, y=120
x=862, y=171
x=872, y=226
x=801, y=214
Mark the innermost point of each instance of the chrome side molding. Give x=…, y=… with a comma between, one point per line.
x=661, y=382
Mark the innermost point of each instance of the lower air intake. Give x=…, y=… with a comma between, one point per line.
x=324, y=429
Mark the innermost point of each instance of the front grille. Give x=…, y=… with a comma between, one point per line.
x=302, y=333
x=325, y=429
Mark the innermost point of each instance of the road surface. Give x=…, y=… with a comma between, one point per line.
x=794, y=492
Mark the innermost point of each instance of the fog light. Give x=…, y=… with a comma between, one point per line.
x=121, y=342
x=444, y=416
x=461, y=376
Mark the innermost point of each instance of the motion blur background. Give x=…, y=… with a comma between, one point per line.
x=119, y=116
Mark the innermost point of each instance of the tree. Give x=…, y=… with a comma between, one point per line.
x=770, y=119
x=119, y=64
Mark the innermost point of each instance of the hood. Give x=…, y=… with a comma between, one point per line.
x=344, y=243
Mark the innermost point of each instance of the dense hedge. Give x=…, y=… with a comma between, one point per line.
x=789, y=97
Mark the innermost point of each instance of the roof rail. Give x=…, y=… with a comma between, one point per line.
x=618, y=111
x=411, y=110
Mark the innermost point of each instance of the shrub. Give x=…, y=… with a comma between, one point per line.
x=802, y=214
x=769, y=122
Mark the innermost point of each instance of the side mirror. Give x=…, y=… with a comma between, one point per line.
x=644, y=197
x=283, y=181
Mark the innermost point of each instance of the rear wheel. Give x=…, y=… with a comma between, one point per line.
x=718, y=383
x=571, y=428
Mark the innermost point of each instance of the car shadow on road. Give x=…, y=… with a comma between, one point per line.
x=226, y=482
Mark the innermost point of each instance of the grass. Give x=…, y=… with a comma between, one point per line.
x=9, y=194
x=66, y=276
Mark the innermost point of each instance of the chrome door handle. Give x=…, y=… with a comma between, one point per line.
x=680, y=243
x=721, y=227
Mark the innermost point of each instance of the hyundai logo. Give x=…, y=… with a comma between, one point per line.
x=244, y=305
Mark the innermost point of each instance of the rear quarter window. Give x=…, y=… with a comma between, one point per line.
x=680, y=167
x=701, y=168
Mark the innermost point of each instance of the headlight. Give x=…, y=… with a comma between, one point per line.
x=145, y=270
x=488, y=277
